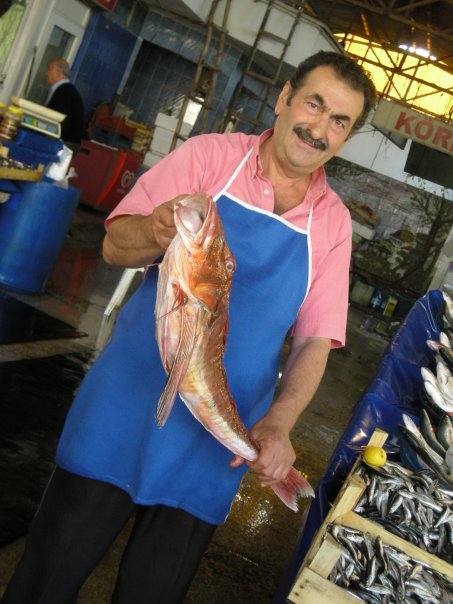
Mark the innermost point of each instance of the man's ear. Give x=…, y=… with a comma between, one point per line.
x=283, y=97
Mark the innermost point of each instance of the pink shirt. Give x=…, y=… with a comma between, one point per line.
x=205, y=163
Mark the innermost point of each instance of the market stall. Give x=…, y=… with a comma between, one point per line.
x=36, y=202
x=394, y=392
x=107, y=165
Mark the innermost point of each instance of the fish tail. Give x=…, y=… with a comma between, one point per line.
x=291, y=488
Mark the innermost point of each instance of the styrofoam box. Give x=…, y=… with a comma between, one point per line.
x=169, y=122
x=362, y=230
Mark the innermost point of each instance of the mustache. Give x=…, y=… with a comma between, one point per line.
x=305, y=136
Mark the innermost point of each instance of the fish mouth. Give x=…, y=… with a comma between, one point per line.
x=191, y=217
x=195, y=220
x=306, y=138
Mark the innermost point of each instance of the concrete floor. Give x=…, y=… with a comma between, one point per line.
x=246, y=559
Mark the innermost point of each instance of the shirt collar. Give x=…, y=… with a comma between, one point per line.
x=318, y=183
x=255, y=162
x=58, y=84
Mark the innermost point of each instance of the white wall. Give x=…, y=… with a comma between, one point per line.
x=245, y=18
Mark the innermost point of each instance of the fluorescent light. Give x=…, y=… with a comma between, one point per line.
x=422, y=52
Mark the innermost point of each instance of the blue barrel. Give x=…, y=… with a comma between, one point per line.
x=33, y=226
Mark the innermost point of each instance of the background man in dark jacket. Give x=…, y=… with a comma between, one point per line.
x=65, y=98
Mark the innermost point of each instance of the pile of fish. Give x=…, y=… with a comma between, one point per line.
x=429, y=446
x=8, y=162
x=412, y=506
x=426, y=449
x=379, y=573
x=438, y=385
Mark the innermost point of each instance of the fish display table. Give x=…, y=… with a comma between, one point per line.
x=393, y=392
x=314, y=582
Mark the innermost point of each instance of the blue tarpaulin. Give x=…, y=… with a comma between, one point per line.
x=394, y=390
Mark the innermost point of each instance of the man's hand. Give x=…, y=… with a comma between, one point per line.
x=161, y=223
x=301, y=376
x=136, y=241
x=276, y=455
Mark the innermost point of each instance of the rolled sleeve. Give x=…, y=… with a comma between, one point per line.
x=324, y=312
x=176, y=174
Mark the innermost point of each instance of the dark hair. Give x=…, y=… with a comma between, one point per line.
x=347, y=70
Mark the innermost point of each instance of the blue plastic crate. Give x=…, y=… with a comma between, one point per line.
x=38, y=142
x=30, y=157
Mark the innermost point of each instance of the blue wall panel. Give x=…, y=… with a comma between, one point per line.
x=101, y=60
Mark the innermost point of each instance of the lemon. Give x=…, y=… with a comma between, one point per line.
x=375, y=456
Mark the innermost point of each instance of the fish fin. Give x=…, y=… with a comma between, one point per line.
x=291, y=488
x=178, y=370
x=179, y=300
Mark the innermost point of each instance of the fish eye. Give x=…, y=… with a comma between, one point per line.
x=229, y=265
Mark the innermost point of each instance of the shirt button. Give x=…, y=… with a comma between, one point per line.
x=266, y=191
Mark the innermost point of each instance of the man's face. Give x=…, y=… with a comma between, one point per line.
x=52, y=73
x=316, y=123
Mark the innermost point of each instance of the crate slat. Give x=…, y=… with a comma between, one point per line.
x=326, y=557
x=310, y=588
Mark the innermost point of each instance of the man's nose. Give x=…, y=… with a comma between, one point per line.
x=318, y=126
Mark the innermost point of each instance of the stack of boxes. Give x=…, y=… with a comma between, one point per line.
x=164, y=130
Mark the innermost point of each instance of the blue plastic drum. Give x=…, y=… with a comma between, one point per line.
x=33, y=226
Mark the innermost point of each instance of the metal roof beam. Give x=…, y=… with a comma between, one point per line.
x=391, y=14
x=397, y=71
x=409, y=6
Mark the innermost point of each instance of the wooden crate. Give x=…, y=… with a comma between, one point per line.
x=312, y=585
x=14, y=173
x=21, y=174
x=325, y=551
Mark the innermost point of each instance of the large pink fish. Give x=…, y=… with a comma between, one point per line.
x=191, y=328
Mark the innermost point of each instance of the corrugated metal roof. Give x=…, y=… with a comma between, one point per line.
x=405, y=77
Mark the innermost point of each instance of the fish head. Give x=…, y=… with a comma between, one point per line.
x=208, y=261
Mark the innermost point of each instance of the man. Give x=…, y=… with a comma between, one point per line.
x=291, y=237
x=64, y=97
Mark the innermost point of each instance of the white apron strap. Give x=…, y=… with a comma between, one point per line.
x=233, y=176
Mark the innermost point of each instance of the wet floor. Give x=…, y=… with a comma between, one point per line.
x=42, y=365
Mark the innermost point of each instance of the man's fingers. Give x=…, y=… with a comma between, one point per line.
x=236, y=461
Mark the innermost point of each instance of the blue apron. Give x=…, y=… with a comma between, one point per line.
x=110, y=433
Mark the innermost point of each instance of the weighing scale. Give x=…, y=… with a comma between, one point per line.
x=40, y=118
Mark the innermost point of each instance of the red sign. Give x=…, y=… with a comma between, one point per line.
x=107, y=4
x=414, y=125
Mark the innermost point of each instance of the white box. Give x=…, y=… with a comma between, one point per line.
x=362, y=230
x=169, y=122
x=151, y=159
x=160, y=147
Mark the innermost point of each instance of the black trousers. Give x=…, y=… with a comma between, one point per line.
x=76, y=523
